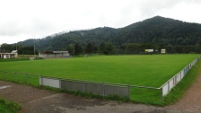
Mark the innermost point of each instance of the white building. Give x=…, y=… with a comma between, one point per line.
x=13, y=54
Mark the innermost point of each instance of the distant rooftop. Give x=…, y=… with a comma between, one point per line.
x=54, y=52
x=14, y=51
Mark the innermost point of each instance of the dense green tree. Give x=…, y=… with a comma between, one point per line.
x=102, y=48
x=197, y=48
x=78, y=49
x=91, y=48
x=29, y=50
x=71, y=49
x=132, y=48
x=109, y=48
x=169, y=48
x=7, y=47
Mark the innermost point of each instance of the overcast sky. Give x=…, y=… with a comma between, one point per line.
x=25, y=19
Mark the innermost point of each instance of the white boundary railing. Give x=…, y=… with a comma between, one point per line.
x=172, y=82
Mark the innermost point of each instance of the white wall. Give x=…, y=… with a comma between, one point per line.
x=50, y=82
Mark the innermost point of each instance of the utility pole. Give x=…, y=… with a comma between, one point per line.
x=16, y=46
x=34, y=50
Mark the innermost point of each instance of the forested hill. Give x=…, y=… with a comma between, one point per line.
x=157, y=32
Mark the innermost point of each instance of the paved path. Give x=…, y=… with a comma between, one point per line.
x=35, y=100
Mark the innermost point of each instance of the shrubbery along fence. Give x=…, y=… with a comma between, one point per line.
x=102, y=89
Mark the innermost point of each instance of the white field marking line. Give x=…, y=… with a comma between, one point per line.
x=3, y=87
x=47, y=97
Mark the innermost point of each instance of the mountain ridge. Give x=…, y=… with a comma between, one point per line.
x=158, y=30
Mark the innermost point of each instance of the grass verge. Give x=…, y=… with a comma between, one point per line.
x=13, y=59
x=9, y=107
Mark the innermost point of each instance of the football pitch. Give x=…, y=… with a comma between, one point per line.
x=142, y=70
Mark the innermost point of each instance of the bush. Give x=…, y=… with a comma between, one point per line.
x=9, y=107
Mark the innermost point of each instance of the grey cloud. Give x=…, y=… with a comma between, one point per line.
x=41, y=20
x=151, y=7
x=32, y=27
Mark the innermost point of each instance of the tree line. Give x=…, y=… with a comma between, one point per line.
x=27, y=50
x=108, y=48
x=91, y=48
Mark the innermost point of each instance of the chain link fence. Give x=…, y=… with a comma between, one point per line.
x=23, y=78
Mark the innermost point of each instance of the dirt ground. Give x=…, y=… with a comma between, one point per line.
x=35, y=100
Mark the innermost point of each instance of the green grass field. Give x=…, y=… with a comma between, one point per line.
x=143, y=70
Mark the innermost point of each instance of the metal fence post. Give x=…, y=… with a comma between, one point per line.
x=41, y=82
x=5, y=75
x=162, y=99
x=169, y=86
x=60, y=83
x=103, y=86
x=128, y=91
x=15, y=77
x=27, y=79
x=83, y=87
